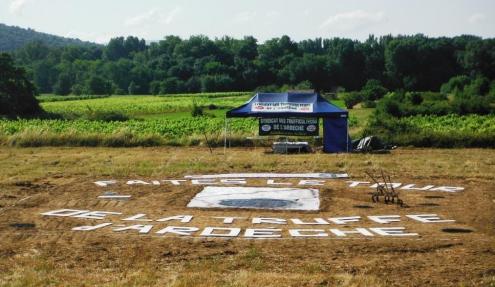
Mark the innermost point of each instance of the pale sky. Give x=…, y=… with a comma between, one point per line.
x=100, y=20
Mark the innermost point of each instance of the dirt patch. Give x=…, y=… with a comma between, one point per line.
x=457, y=230
x=434, y=196
x=39, y=251
x=23, y=225
x=362, y=206
x=428, y=204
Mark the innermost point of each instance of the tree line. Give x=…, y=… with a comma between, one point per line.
x=199, y=64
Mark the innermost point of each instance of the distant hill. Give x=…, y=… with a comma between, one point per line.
x=13, y=37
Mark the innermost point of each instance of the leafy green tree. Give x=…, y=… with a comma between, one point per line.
x=32, y=52
x=413, y=63
x=63, y=85
x=491, y=93
x=214, y=83
x=247, y=48
x=419, y=63
x=479, y=58
x=193, y=85
x=119, y=72
x=115, y=49
x=45, y=75
x=133, y=45
x=155, y=88
x=97, y=85
x=374, y=51
x=348, y=59
x=309, y=68
x=17, y=93
x=78, y=89
x=170, y=86
x=133, y=89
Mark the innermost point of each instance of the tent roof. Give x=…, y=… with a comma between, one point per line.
x=288, y=105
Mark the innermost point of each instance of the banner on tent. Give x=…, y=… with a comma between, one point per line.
x=280, y=107
x=289, y=126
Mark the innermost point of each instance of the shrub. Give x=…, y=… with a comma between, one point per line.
x=438, y=108
x=434, y=96
x=373, y=90
x=479, y=87
x=304, y=85
x=471, y=105
x=351, y=99
x=268, y=89
x=196, y=110
x=414, y=98
x=369, y=104
x=392, y=107
x=455, y=84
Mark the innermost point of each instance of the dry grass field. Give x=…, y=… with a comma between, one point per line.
x=36, y=250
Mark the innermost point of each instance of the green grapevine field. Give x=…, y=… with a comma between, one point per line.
x=169, y=128
x=451, y=123
x=151, y=120
x=135, y=106
x=167, y=120
x=439, y=131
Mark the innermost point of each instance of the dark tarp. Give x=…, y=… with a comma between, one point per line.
x=335, y=130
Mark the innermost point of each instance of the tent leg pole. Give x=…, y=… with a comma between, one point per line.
x=225, y=136
x=347, y=138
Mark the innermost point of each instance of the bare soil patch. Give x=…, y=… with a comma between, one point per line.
x=41, y=251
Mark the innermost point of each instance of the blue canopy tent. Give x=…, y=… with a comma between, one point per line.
x=266, y=105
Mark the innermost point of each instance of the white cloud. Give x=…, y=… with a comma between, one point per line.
x=100, y=38
x=476, y=18
x=245, y=16
x=153, y=16
x=71, y=34
x=272, y=14
x=142, y=18
x=352, y=20
x=171, y=15
x=16, y=6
